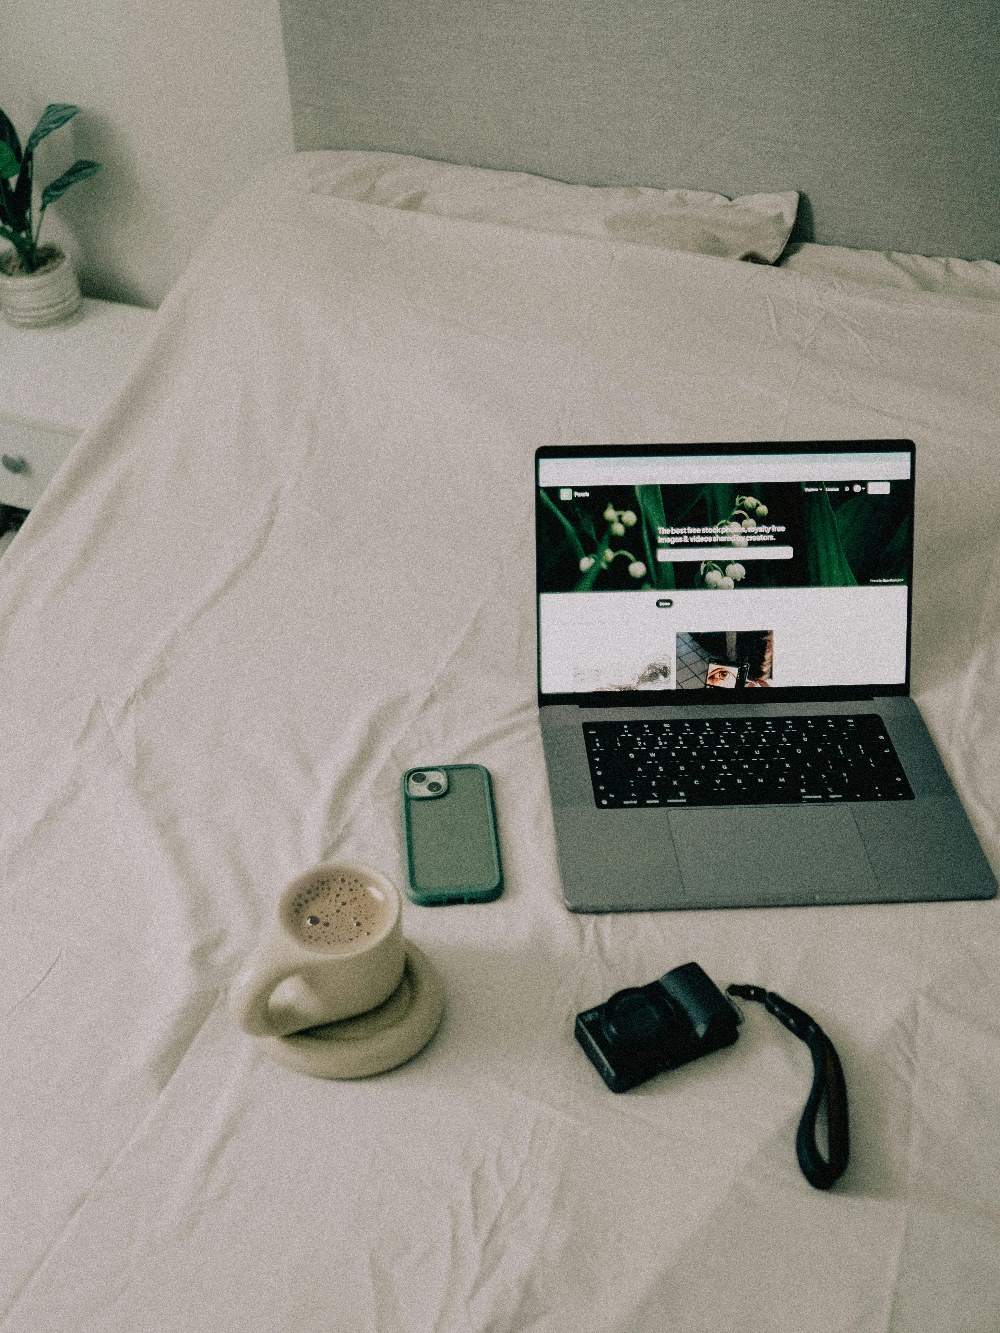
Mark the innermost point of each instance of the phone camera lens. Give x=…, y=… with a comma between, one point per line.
x=433, y=786
x=418, y=777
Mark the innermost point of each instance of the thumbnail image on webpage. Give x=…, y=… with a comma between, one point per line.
x=695, y=586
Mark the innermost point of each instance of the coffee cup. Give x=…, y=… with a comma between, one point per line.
x=335, y=950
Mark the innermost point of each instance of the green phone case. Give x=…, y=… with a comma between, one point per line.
x=452, y=852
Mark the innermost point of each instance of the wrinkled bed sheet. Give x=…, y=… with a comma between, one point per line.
x=294, y=558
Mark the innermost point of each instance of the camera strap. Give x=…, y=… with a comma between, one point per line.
x=828, y=1087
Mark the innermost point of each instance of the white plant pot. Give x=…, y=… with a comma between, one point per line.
x=47, y=296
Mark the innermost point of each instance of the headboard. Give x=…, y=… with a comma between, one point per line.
x=885, y=117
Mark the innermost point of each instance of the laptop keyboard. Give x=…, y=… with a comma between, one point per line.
x=744, y=761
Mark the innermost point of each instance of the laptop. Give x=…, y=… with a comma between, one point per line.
x=723, y=680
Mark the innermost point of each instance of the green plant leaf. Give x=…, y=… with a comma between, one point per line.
x=21, y=199
x=573, y=539
x=8, y=135
x=874, y=530
x=79, y=171
x=719, y=501
x=54, y=115
x=897, y=551
x=652, y=518
x=23, y=246
x=827, y=565
x=7, y=210
x=10, y=163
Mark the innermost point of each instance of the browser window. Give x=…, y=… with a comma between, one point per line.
x=724, y=571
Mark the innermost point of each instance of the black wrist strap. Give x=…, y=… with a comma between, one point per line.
x=828, y=1083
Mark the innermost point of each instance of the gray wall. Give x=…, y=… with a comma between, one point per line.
x=180, y=101
x=884, y=115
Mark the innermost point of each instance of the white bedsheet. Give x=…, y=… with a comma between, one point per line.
x=294, y=558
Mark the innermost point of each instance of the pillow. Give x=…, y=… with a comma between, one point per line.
x=977, y=278
x=754, y=226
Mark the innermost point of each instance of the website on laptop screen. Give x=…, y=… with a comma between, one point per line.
x=724, y=571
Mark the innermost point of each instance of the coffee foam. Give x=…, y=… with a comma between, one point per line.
x=337, y=911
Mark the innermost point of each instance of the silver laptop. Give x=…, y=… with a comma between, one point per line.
x=723, y=680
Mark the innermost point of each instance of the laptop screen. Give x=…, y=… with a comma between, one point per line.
x=736, y=568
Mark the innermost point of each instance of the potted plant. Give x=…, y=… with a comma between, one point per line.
x=37, y=282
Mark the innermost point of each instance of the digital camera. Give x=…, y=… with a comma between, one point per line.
x=644, y=1030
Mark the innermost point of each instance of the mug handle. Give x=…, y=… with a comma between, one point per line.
x=251, y=1000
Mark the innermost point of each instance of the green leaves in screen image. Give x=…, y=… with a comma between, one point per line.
x=649, y=500
x=875, y=535
x=826, y=563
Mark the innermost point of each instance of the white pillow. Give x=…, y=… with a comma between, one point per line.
x=978, y=278
x=754, y=226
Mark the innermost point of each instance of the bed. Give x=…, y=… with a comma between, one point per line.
x=294, y=558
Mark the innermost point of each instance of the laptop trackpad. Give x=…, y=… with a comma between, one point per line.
x=771, y=856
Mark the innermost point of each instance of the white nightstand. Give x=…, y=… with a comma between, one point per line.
x=53, y=383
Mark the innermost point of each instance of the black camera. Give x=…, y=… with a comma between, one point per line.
x=644, y=1030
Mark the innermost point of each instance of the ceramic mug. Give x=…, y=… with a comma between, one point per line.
x=335, y=950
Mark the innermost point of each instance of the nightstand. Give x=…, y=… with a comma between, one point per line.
x=54, y=382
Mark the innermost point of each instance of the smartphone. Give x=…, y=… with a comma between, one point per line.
x=452, y=851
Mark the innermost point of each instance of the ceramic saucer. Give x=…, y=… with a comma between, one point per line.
x=373, y=1042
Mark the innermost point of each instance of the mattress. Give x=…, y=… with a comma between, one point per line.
x=295, y=558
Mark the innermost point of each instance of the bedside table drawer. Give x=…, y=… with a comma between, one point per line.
x=30, y=456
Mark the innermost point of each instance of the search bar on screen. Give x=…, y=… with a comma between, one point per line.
x=671, y=555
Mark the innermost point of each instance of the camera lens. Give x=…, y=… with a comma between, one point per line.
x=418, y=777
x=433, y=786
x=636, y=1017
